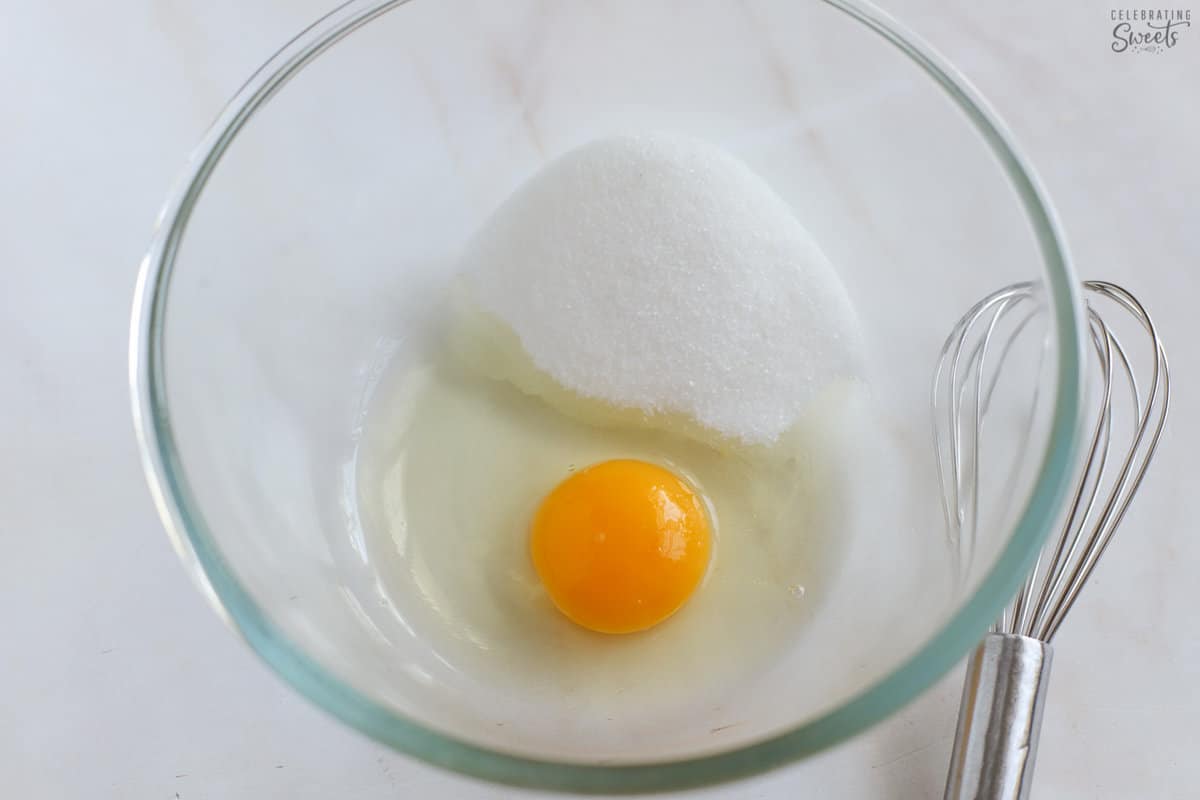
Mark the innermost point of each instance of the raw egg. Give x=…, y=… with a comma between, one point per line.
x=621, y=545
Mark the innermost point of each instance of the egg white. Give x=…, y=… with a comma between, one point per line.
x=452, y=466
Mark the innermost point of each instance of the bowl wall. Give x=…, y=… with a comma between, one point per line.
x=313, y=263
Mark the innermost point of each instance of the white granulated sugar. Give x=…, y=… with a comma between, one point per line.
x=657, y=272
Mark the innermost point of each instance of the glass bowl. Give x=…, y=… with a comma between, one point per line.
x=299, y=256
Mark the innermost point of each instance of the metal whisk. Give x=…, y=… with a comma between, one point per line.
x=1003, y=694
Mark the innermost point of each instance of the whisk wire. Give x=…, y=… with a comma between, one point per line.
x=1097, y=460
x=1087, y=490
x=1136, y=461
x=962, y=395
x=959, y=398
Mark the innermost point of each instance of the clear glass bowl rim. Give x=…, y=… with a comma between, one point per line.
x=186, y=526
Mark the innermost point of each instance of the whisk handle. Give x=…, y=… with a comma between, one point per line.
x=999, y=719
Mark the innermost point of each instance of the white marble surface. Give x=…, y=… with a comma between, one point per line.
x=118, y=682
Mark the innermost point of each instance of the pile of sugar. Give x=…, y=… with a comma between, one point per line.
x=656, y=272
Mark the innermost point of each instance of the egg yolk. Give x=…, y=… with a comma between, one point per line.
x=621, y=545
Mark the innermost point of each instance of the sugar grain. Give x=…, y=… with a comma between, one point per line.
x=658, y=272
